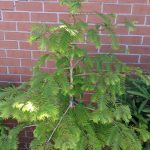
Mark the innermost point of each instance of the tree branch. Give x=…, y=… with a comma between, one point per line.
x=58, y=124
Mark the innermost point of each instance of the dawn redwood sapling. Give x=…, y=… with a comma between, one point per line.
x=53, y=102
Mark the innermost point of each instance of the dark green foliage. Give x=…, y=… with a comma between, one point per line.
x=74, y=5
x=54, y=102
x=8, y=137
x=137, y=96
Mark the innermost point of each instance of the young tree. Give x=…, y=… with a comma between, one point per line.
x=53, y=102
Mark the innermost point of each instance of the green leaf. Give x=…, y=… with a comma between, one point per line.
x=141, y=107
x=41, y=61
x=94, y=37
x=147, y=110
x=114, y=41
x=137, y=93
x=130, y=25
x=74, y=5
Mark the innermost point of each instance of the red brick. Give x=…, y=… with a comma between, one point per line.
x=91, y=26
x=10, y=122
x=54, y=7
x=6, y=5
x=44, y=17
x=123, y=18
x=128, y=58
x=25, y=139
x=28, y=46
x=87, y=97
x=18, y=54
x=3, y=70
x=117, y=8
x=47, y=0
x=146, y=41
x=133, y=1
x=22, y=133
x=144, y=67
x=139, y=49
x=106, y=1
x=24, y=26
x=9, y=44
x=7, y=26
x=89, y=47
x=91, y=7
x=142, y=30
x=48, y=70
x=1, y=15
x=108, y=49
x=20, y=36
x=27, y=62
x=133, y=40
x=68, y=18
x=105, y=39
x=11, y=79
x=37, y=54
x=25, y=78
x=120, y=30
x=128, y=40
x=94, y=19
x=30, y=129
x=1, y=35
x=28, y=6
x=141, y=9
x=2, y=53
x=23, y=146
x=29, y=134
x=50, y=64
x=148, y=20
x=19, y=70
x=145, y=59
x=16, y=16
x=9, y=62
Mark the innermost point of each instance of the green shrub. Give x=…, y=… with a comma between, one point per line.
x=137, y=96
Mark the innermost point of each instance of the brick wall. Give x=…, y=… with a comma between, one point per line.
x=24, y=137
x=16, y=17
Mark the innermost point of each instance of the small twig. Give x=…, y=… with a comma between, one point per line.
x=70, y=106
x=58, y=123
x=74, y=18
x=78, y=61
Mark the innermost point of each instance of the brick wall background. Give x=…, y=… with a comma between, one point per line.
x=16, y=17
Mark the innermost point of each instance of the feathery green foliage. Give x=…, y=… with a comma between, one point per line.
x=54, y=102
